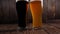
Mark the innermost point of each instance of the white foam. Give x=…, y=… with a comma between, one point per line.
x=34, y=0
x=38, y=0
x=22, y=0
x=17, y=0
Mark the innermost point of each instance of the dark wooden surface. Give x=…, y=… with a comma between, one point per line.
x=8, y=11
x=48, y=28
x=47, y=9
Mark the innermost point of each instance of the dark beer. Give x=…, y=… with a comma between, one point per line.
x=21, y=7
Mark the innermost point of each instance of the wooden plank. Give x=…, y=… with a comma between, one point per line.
x=51, y=29
x=5, y=11
x=6, y=32
x=12, y=12
x=8, y=11
x=1, y=12
x=1, y=33
x=42, y=31
x=57, y=9
x=14, y=32
x=48, y=28
x=55, y=24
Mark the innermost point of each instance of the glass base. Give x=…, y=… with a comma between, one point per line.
x=37, y=28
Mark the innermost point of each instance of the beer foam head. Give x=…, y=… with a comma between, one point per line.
x=17, y=0
x=38, y=0
x=27, y=0
x=34, y=0
x=22, y=0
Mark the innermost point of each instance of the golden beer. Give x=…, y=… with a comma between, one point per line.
x=36, y=10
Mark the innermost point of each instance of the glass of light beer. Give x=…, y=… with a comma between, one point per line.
x=36, y=10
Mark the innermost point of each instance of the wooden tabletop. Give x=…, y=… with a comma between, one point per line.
x=48, y=28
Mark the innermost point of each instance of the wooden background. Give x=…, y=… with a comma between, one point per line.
x=8, y=12
x=48, y=12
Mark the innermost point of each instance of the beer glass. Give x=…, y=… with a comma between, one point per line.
x=36, y=10
x=21, y=7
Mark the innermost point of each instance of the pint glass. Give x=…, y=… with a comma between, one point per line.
x=21, y=7
x=36, y=10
